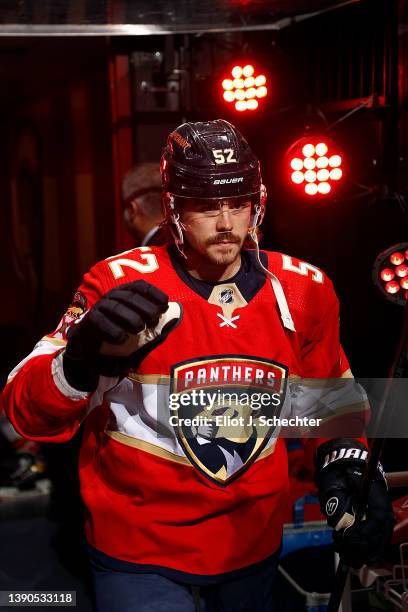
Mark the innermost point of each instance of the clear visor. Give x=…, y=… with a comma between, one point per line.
x=212, y=207
x=182, y=202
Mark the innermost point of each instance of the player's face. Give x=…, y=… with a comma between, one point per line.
x=216, y=229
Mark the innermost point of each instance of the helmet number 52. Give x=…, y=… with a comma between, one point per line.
x=224, y=156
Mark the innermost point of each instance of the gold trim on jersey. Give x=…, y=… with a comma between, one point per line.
x=321, y=382
x=153, y=449
x=268, y=451
x=350, y=409
x=148, y=447
x=149, y=379
x=54, y=341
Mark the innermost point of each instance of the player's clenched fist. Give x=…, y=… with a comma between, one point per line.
x=117, y=333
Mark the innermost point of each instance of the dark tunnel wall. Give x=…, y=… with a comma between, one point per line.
x=56, y=179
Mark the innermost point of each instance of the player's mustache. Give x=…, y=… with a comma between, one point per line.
x=221, y=237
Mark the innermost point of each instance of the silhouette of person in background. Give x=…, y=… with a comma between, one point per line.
x=141, y=194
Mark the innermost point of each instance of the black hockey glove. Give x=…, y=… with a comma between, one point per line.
x=341, y=465
x=117, y=333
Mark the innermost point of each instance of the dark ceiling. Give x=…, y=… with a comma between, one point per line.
x=42, y=17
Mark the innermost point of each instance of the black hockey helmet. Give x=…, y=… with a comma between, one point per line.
x=209, y=159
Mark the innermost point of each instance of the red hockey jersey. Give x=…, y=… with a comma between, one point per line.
x=196, y=506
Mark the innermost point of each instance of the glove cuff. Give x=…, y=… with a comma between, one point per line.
x=344, y=454
x=80, y=374
x=342, y=450
x=61, y=382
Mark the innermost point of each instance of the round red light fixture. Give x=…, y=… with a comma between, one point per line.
x=387, y=274
x=392, y=287
x=397, y=258
x=320, y=161
x=244, y=88
x=390, y=273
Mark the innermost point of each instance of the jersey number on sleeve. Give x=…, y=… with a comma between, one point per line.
x=148, y=264
x=302, y=268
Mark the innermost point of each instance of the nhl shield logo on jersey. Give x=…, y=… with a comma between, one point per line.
x=226, y=296
x=221, y=410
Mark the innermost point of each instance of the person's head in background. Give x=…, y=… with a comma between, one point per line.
x=141, y=193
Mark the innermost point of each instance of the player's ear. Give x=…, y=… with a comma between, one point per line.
x=130, y=214
x=134, y=209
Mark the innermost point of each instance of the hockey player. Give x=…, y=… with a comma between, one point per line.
x=156, y=335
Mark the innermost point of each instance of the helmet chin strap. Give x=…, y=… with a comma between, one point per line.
x=176, y=226
x=275, y=282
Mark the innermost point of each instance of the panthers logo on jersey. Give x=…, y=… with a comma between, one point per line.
x=218, y=409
